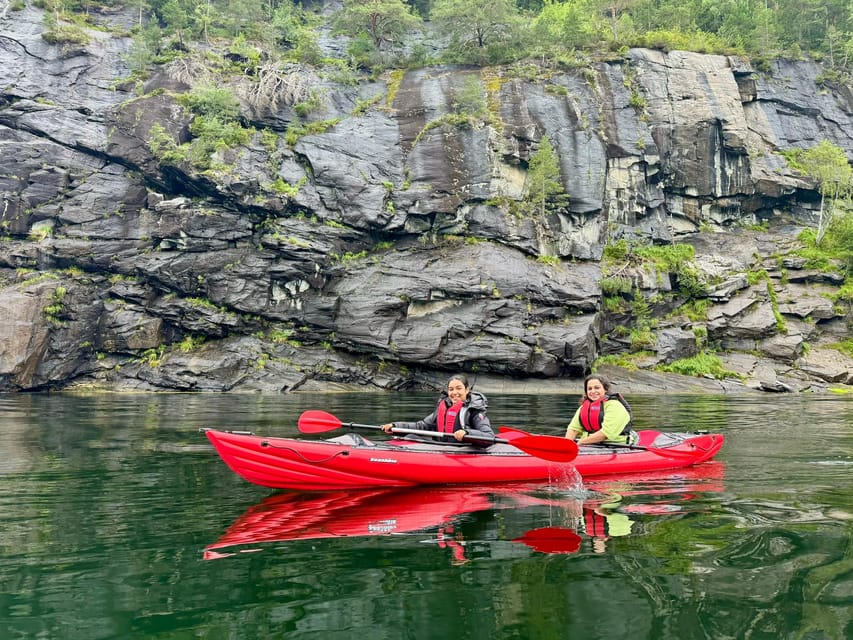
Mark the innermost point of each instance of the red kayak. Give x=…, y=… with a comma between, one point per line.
x=351, y=461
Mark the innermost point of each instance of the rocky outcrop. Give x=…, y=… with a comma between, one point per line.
x=383, y=247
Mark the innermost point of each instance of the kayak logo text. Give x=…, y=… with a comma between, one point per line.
x=383, y=526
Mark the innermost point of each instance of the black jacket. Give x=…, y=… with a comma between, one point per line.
x=472, y=417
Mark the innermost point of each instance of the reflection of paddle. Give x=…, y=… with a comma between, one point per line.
x=552, y=540
x=546, y=447
x=666, y=453
x=511, y=433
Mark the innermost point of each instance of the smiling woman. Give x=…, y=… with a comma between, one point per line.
x=460, y=411
x=602, y=416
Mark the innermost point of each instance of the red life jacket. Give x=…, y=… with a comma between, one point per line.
x=447, y=417
x=596, y=524
x=592, y=413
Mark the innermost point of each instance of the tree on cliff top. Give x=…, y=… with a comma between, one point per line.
x=382, y=20
x=480, y=30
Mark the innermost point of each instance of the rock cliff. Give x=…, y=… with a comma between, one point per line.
x=375, y=241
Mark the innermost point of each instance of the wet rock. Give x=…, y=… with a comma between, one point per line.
x=389, y=246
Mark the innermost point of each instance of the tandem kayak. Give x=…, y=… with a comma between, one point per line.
x=351, y=461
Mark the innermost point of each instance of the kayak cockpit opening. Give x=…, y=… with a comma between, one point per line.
x=353, y=439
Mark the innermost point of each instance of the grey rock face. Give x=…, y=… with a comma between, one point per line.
x=388, y=246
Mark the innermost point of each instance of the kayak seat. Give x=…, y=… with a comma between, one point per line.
x=647, y=437
x=354, y=439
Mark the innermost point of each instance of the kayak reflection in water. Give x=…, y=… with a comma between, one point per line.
x=601, y=522
x=459, y=412
x=448, y=538
x=453, y=518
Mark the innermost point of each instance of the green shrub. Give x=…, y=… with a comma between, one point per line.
x=164, y=147
x=296, y=131
x=616, y=251
x=626, y=361
x=54, y=309
x=211, y=101
x=845, y=347
x=306, y=107
x=695, y=310
x=189, y=343
x=281, y=187
x=614, y=304
x=642, y=339
x=470, y=99
x=65, y=33
x=212, y=135
x=697, y=40
x=676, y=259
x=701, y=365
x=616, y=285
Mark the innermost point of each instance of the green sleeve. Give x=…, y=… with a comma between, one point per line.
x=615, y=418
x=575, y=424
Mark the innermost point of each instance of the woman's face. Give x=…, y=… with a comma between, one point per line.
x=594, y=389
x=457, y=391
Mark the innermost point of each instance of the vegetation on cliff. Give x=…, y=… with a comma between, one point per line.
x=400, y=33
x=296, y=171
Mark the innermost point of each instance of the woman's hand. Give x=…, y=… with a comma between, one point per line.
x=459, y=434
x=387, y=427
x=593, y=438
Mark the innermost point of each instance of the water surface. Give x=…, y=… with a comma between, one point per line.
x=119, y=521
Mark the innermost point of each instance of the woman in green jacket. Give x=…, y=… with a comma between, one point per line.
x=602, y=416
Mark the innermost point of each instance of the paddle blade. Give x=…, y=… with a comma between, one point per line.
x=550, y=448
x=511, y=432
x=318, y=422
x=551, y=540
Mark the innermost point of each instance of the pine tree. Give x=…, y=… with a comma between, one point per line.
x=545, y=192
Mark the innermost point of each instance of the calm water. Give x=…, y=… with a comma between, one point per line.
x=118, y=521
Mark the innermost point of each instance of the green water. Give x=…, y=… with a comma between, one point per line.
x=118, y=521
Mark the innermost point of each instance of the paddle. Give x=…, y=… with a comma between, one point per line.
x=512, y=433
x=666, y=453
x=549, y=448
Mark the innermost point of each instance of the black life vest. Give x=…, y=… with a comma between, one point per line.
x=447, y=416
x=592, y=414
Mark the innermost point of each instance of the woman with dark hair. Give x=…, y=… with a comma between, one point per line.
x=460, y=411
x=602, y=416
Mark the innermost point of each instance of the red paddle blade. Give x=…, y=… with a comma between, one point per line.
x=551, y=448
x=552, y=540
x=511, y=432
x=546, y=447
x=317, y=422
